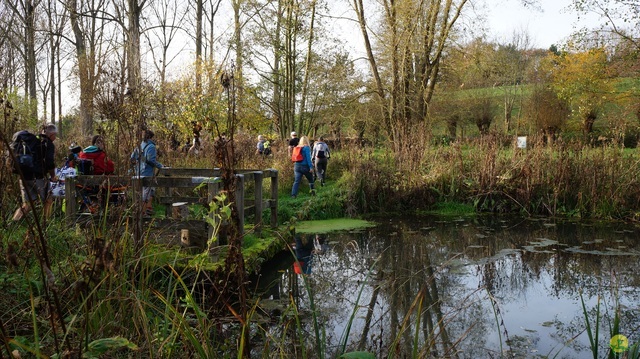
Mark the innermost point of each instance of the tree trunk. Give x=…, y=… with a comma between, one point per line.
x=307, y=70
x=237, y=40
x=84, y=70
x=31, y=61
x=276, y=101
x=199, y=15
x=133, y=44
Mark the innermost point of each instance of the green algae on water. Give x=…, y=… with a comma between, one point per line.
x=332, y=225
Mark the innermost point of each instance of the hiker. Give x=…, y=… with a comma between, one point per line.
x=35, y=185
x=263, y=147
x=301, y=156
x=102, y=165
x=195, y=142
x=293, y=142
x=320, y=157
x=260, y=145
x=144, y=160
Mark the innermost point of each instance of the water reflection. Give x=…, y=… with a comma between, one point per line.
x=306, y=246
x=470, y=288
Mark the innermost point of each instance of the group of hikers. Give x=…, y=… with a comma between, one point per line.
x=33, y=158
x=308, y=163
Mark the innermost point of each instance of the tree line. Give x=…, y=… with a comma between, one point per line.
x=421, y=69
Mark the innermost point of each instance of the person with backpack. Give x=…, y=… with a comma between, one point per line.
x=302, y=166
x=144, y=160
x=102, y=165
x=263, y=147
x=320, y=157
x=293, y=142
x=35, y=156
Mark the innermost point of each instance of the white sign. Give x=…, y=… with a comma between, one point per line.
x=522, y=142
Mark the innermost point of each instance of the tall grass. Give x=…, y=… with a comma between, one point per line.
x=566, y=179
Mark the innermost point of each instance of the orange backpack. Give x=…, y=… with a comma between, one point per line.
x=296, y=154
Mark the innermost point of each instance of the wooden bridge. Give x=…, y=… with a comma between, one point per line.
x=176, y=186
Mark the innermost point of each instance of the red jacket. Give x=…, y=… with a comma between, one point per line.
x=101, y=164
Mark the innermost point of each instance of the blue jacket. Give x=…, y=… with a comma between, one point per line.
x=306, y=153
x=144, y=159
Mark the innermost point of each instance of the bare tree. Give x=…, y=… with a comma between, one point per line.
x=278, y=31
x=87, y=24
x=165, y=24
x=25, y=13
x=133, y=31
x=414, y=37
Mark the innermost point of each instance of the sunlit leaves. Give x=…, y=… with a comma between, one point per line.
x=582, y=79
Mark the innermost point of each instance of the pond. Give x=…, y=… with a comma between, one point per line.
x=484, y=287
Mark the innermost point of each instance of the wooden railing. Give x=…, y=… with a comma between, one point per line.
x=176, y=185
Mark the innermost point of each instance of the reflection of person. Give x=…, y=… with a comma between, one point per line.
x=304, y=254
x=320, y=157
x=144, y=160
x=293, y=142
x=303, y=168
x=320, y=245
x=102, y=165
x=36, y=184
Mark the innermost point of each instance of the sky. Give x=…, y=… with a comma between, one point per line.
x=551, y=24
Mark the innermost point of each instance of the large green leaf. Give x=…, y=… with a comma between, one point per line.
x=101, y=346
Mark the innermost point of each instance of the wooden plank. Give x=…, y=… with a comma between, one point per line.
x=189, y=172
x=257, y=177
x=176, y=182
x=100, y=180
x=274, y=199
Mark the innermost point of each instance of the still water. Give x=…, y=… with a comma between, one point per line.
x=478, y=287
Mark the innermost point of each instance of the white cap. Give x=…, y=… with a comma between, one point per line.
x=293, y=134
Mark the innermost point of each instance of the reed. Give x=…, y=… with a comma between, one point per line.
x=560, y=179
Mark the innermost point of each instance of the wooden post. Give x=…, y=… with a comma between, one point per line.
x=184, y=238
x=137, y=184
x=180, y=210
x=274, y=198
x=258, y=177
x=70, y=200
x=240, y=202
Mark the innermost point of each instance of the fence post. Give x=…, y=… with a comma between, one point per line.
x=274, y=198
x=258, y=177
x=240, y=202
x=70, y=200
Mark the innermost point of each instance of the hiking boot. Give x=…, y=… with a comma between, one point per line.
x=313, y=192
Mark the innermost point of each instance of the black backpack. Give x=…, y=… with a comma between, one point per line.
x=84, y=166
x=26, y=156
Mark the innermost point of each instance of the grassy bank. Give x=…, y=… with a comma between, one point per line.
x=486, y=175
